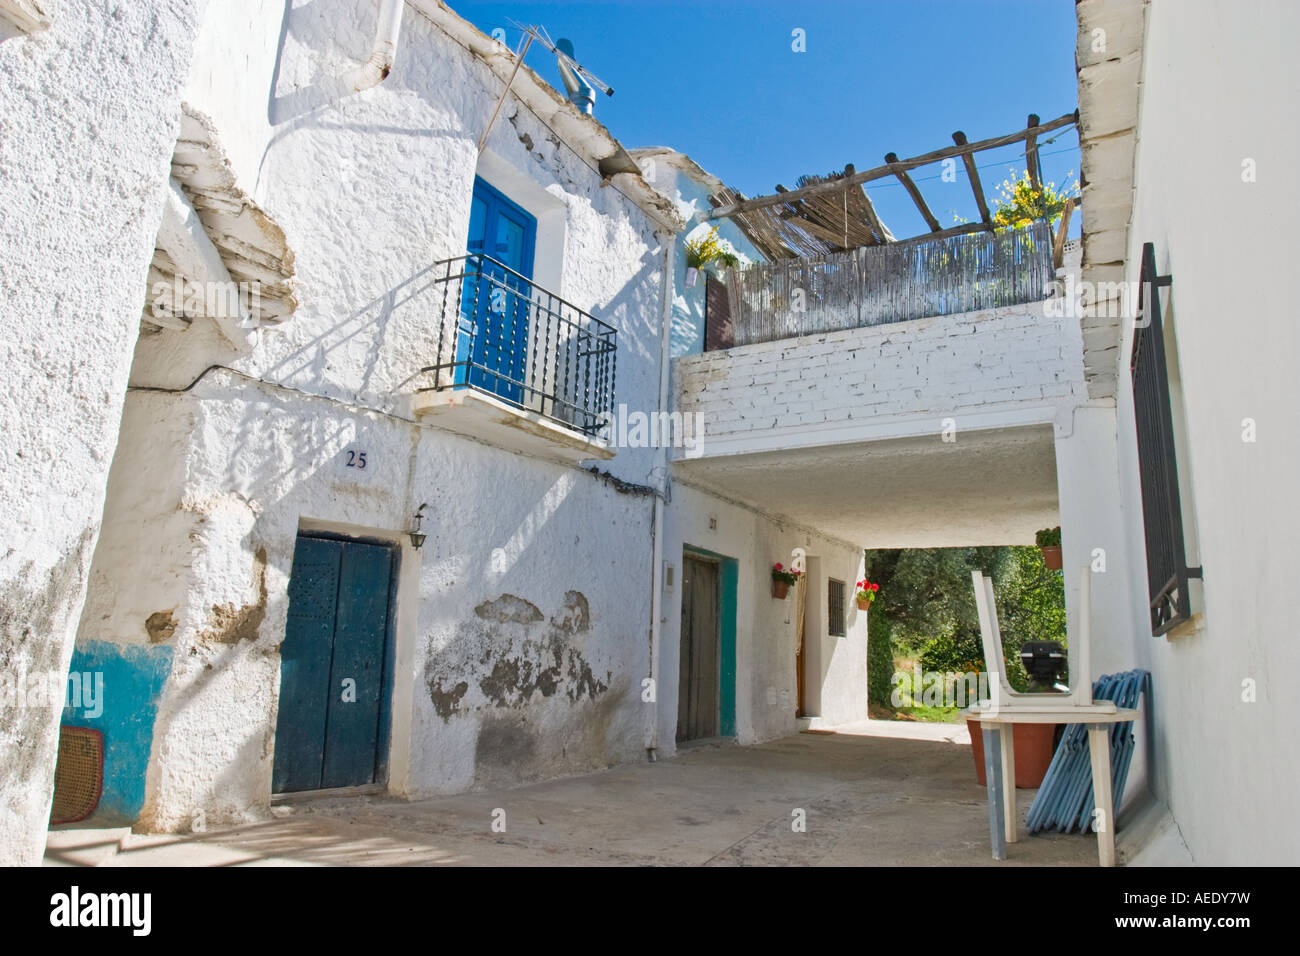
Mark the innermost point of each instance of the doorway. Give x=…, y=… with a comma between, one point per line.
x=699, y=697
x=335, y=666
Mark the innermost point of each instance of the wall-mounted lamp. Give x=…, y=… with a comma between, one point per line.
x=417, y=537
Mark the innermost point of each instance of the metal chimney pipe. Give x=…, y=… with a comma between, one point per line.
x=580, y=91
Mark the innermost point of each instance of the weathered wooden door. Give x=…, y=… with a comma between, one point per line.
x=333, y=687
x=701, y=662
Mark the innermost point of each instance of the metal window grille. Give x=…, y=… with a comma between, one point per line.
x=835, y=607
x=1167, y=570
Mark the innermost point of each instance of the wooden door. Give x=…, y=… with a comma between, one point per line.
x=698, y=694
x=333, y=684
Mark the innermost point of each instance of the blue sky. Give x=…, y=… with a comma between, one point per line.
x=719, y=81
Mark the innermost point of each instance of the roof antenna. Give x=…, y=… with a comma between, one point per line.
x=580, y=92
x=570, y=69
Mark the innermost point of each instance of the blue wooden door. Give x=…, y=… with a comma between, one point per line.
x=496, y=301
x=332, y=725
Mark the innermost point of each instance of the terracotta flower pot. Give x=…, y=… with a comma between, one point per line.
x=1052, y=557
x=864, y=604
x=780, y=589
x=1034, y=746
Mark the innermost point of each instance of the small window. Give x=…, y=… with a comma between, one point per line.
x=835, y=607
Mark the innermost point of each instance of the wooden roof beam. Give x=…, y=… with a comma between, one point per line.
x=965, y=229
x=906, y=180
x=1058, y=243
x=1031, y=152
x=881, y=172
x=973, y=174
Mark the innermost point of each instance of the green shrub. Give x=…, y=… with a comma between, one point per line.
x=880, y=656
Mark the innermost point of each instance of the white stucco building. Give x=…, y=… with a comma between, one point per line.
x=258, y=461
x=365, y=522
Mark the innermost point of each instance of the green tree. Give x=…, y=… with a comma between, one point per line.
x=1031, y=603
x=928, y=598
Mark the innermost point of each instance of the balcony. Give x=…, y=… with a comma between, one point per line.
x=878, y=285
x=887, y=342
x=518, y=366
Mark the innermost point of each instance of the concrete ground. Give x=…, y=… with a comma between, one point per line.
x=868, y=800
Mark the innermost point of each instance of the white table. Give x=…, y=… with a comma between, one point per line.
x=1000, y=767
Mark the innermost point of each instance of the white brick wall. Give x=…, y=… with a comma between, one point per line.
x=999, y=358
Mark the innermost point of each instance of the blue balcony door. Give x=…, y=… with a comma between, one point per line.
x=495, y=303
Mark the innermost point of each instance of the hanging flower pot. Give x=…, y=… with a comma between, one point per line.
x=692, y=276
x=866, y=594
x=782, y=578
x=1049, y=542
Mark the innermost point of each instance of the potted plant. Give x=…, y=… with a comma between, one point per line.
x=1034, y=744
x=699, y=253
x=1049, y=542
x=866, y=594
x=782, y=578
x=726, y=260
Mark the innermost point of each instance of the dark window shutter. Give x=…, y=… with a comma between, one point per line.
x=717, y=315
x=1167, y=570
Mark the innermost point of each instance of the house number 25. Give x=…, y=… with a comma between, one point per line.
x=356, y=459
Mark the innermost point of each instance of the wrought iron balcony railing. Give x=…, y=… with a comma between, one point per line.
x=502, y=334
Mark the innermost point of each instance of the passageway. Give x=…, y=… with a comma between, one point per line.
x=867, y=800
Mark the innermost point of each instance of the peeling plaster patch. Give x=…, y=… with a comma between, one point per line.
x=509, y=607
x=576, y=614
x=538, y=661
x=233, y=624
x=445, y=702
x=161, y=625
x=513, y=680
x=584, y=680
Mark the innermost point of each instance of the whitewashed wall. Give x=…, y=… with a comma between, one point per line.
x=526, y=561
x=941, y=366
x=1222, y=764
x=88, y=117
